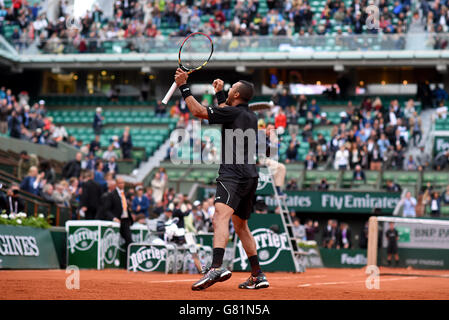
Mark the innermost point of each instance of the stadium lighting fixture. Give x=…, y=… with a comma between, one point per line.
x=56, y=70
x=240, y=69
x=339, y=68
x=441, y=68
x=145, y=69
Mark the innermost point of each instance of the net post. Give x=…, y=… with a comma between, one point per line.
x=372, y=241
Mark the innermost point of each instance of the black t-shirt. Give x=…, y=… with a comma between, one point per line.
x=243, y=164
x=391, y=236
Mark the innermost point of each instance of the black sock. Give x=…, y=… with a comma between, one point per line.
x=278, y=189
x=217, y=259
x=255, y=268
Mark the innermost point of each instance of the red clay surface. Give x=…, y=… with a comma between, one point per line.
x=317, y=284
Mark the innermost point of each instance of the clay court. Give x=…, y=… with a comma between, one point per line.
x=314, y=284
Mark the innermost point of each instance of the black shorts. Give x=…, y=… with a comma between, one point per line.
x=239, y=195
x=392, y=248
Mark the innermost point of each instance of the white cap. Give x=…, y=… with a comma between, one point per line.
x=41, y=102
x=196, y=203
x=99, y=109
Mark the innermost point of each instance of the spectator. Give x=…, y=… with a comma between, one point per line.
x=12, y=203
x=363, y=239
x=158, y=187
x=409, y=204
x=160, y=109
x=344, y=237
x=341, y=159
x=47, y=193
x=15, y=125
x=299, y=231
x=61, y=196
x=323, y=186
x=26, y=161
x=73, y=167
x=410, y=164
x=393, y=187
x=292, y=185
x=116, y=209
x=440, y=161
x=95, y=145
x=330, y=233
x=90, y=196
x=292, y=121
x=99, y=175
x=359, y=175
x=126, y=144
x=292, y=152
x=314, y=108
x=435, y=205
x=111, y=166
x=140, y=202
x=98, y=121
x=423, y=159
x=445, y=195
x=309, y=162
x=33, y=182
x=109, y=153
x=280, y=120
x=311, y=229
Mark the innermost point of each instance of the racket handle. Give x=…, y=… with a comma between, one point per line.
x=169, y=93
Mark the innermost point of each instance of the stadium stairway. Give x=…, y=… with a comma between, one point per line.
x=426, y=139
x=140, y=174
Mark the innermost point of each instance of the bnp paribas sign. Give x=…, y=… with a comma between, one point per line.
x=272, y=245
x=339, y=201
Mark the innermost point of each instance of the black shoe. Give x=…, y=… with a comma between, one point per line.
x=211, y=276
x=258, y=282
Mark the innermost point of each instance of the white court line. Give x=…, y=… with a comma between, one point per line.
x=171, y=281
x=351, y=282
x=196, y=279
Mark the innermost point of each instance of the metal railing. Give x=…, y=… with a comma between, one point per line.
x=257, y=44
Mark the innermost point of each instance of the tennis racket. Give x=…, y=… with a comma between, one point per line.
x=194, y=53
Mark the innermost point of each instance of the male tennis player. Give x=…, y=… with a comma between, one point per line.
x=237, y=180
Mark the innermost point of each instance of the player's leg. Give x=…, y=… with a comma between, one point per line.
x=220, y=222
x=227, y=197
x=257, y=280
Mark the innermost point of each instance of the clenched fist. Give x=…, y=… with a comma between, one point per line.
x=218, y=85
x=181, y=77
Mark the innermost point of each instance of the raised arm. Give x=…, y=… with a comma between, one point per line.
x=194, y=106
x=218, y=85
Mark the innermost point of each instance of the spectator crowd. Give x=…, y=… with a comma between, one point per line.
x=136, y=19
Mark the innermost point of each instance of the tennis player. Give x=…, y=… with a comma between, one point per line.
x=237, y=180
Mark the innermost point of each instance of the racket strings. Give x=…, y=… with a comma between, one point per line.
x=195, y=52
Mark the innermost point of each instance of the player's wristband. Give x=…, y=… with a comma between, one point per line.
x=185, y=91
x=221, y=97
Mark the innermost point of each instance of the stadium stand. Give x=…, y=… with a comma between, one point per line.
x=25, y=24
